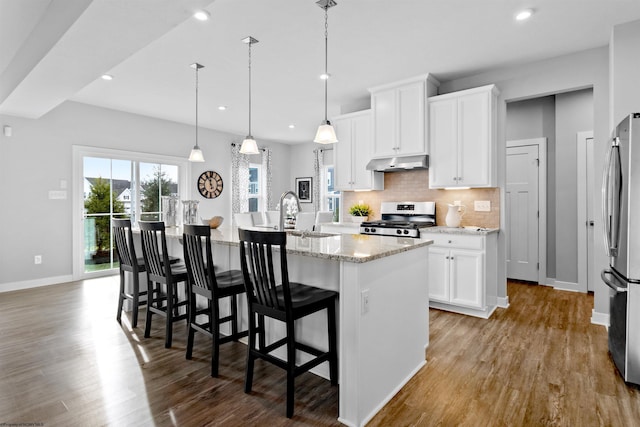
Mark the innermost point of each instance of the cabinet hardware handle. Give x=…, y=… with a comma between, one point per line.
x=450, y=241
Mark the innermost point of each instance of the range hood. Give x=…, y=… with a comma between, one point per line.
x=391, y=164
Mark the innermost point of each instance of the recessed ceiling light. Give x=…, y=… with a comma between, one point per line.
x=292, y=126
x=202, y=15
x=524, y=15
x=222, y=107
x=325, y=76
x=107, y=77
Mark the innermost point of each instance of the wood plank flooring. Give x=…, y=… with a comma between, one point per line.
x=64, y=360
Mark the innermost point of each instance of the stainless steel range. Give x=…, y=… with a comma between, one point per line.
x=403, y=219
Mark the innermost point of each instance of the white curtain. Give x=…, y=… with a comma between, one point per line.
x=240, y=179
x=266, y=168
x=319, y=180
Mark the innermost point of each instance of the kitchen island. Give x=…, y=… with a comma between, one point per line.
x=383, y=316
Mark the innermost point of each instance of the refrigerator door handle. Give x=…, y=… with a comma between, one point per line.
x=613, y=284
x=611, y=198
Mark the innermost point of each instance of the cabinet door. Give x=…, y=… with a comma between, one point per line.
x=443, y=143
x=383, y=104
x=439, y=274
x=467, y=278
x=410, y=105
x=361, y=152
x=474, y=149
x=343, y=161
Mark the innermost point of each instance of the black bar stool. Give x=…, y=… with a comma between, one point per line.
x=204, y=281
x=287, y=303
x=162, y=279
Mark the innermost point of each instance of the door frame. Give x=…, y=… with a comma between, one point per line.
x=582, y=214
x=542, y=200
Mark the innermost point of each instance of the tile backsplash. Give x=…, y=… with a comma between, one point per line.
x=413, y=186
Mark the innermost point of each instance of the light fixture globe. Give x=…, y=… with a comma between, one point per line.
x=249, y=146
x=325, y=134
x=196, y=155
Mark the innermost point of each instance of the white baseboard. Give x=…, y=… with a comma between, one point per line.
x=599, y=318
x=36, y=283
x=503, y=302
x=566, y=286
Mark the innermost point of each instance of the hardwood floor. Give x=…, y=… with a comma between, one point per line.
x=64, y=360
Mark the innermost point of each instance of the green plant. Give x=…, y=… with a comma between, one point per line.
x=360, y=209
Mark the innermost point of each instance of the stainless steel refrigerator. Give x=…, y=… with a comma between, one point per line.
x=621, y=216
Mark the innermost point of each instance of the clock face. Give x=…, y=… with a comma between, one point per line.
x=210, y=184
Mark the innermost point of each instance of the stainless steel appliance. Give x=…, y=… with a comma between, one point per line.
x=404, y=219
x=620, y=206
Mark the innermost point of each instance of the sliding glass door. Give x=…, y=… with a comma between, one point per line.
x=115, y=184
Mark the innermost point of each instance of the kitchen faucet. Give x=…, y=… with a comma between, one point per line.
x=284, y=195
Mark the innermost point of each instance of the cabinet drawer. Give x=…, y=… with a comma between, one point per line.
x=455, y=240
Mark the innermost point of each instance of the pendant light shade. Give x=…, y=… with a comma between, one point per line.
x=249, y=145
x=326, y=134
x=196, y=153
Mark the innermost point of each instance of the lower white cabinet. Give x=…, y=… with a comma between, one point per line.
x=462, y=273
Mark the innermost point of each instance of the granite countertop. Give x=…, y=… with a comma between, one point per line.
x=478, y=231
x=356, y=248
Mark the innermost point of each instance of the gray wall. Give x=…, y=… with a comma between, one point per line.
x=536, y=118
x=39, y=155
x=574, y=113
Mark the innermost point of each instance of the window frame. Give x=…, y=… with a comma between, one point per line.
x=78, y=155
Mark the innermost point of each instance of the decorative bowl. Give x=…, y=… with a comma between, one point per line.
x=213, y=222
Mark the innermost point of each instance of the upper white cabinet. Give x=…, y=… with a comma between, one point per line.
x=462, y=132
x=352, y=153
x=399, y=116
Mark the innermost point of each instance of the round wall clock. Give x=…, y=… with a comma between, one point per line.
x=210, y=184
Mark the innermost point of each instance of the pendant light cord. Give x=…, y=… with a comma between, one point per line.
x=326, y=56
x=197, y=69
x=250, y=87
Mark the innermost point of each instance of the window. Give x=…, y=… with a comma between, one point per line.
x=115, y=184
x=255, y=188
x=332, y=202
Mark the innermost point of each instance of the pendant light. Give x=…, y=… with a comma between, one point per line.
x=326, y=134
x=249, y=145
x=196, y=152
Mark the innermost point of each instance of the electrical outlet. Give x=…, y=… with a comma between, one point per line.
x=482, y=206
x=365, y=301
x=37, y=259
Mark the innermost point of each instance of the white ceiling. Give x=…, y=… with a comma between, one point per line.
x=56, y=50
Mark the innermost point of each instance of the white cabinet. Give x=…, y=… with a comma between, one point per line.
x=462, y=133
x=399, y=116
x=462, y=273
x=352, y=153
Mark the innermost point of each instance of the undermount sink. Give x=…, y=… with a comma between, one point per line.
x=313, y=234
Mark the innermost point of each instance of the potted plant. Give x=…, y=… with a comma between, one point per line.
x=360, y=212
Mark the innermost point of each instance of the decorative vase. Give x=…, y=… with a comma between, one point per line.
x=358, y=219
x=454, y=215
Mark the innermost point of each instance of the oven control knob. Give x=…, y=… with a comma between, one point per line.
x=366, y=229
x=398, y=231
x=406, y=231
x=373, y=230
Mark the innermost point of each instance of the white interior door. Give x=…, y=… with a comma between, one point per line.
x=522, y=212
x=585, y=212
